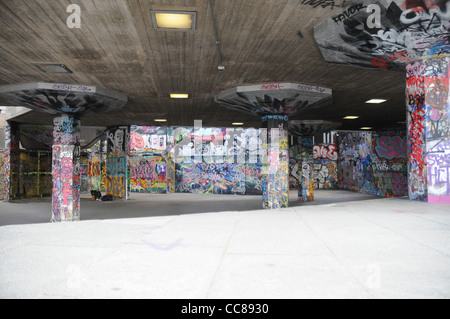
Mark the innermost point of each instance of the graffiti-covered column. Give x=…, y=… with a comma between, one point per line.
x=116, y=180
x=276, y=170
x=437, y=122
x=427, y=99
x=416, y=112
x=11, y=162
x=66, y=169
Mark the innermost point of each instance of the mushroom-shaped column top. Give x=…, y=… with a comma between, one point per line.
x=276, y=98
x=57, y=98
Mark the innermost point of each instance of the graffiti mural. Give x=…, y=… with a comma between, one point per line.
x=150, y=140
x=325, y=166
x=373, y=163
x=386, y=34
x=148, y=174
x=116, y=179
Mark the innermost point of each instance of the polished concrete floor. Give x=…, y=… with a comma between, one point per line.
x=344, y=245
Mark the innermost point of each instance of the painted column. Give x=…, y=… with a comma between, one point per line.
x=12, y=161
x=427, y=99
x=306, y=185
x=116, y=179
x=66, y=169
x=437, y=127
x=276, y=168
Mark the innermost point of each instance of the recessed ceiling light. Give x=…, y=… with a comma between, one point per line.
x=52, y=67
x=160, y=120
x=375, y=101
x=351, y=117
x=366, y=128
x=179, y=96
x=238, y=124
x=174, y=20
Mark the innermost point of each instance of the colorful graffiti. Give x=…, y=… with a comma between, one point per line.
x=151, y=140
x=325, y=152
x=116, y=179
x=373, y=163
x=66, y=169
x=386, y=34
x=275, y=173
x=437, y=122
x=416, y=112
x=224, y=178
x=148, y=174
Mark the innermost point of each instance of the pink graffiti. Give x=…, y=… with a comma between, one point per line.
x=272, y=86
x=136, y=141
x=326, y=152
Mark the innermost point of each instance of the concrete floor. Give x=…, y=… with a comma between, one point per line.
x=344, y=245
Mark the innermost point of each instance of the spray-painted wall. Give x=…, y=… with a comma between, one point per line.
x=325, y=166
x=217, y=160
x=195, y=160
x=373, y=163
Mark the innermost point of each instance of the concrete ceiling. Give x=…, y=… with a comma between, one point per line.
x=117, y=48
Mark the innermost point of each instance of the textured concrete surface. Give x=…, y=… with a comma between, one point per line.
x=198, y=246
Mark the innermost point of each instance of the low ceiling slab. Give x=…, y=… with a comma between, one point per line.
x=55, y=98
x=386, y=34
x=312, y=127
x=276, y=98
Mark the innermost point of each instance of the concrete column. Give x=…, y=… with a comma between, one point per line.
x=66, y=169
x=12, y=162
x=276, y=169
x=116, y=179
x=427, y=98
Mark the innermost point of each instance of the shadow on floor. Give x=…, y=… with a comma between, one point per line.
x=150, y=205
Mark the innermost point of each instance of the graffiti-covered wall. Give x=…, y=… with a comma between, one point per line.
x=217, y=160
x=195, y=160
x=373, y=163
x=325, y=166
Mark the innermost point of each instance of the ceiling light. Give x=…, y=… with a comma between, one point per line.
x=366, y=128
x=174, y=20
x=375, y=101
x=179, y=96
x=351, y=117
x=238, y=124
x=52, y=67
x=160, y=120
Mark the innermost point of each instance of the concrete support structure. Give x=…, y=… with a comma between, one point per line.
x=11, y=162
x=306, y=185
x=117, y=163
x=428, y=112
x=276, y=170
x=66, y=169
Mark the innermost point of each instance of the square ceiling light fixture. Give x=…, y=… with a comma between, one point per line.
x=52, y=67
x=174, y=20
